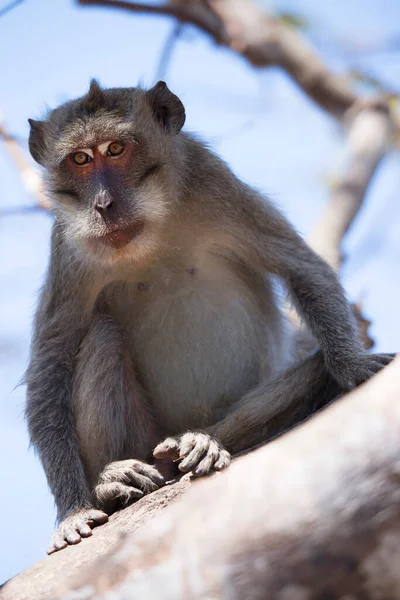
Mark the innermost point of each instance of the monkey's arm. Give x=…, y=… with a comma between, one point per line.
x=316, y=290
x=56, y=339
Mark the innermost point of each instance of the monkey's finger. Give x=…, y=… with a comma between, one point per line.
x=193, y=458
x=384, y=359
x=59, y=540
x=150, y=473
x=115, y=490
x=374, y=367
x=97, y=517
x=190, y=440
x=57, y=543
x=70, y=533
x=207, y=463
x=143, y=483
x=83, y=528
x=223, y=461
x=128, y=494
x=168, y=449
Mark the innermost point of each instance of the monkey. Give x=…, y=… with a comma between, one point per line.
x=159, y=333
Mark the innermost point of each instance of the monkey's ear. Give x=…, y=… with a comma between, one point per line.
x=94, y=98
x=167, y=109
x=37, y=144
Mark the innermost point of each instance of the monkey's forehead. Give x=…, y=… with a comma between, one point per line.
x=90, y=132
x=87, y=122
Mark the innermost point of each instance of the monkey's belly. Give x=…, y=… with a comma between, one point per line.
x=199, y=349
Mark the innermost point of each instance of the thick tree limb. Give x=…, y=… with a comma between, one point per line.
x=40, y=581
x=313, y=514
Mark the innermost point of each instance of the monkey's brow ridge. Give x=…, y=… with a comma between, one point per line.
x=87, y=135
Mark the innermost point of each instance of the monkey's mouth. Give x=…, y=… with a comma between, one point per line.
x=120, y=237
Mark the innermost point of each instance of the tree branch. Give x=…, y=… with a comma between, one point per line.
x=31, y=179
x=313, y=514
x=263, y=40
x=369, y=138
x=166, y=54
x=9, y=7
x=198, y=15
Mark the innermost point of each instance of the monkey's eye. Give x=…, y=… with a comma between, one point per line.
x=115, y=149
x=81, y=158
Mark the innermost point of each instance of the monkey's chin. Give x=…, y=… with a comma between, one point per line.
x=122, y=245
x=119, y=238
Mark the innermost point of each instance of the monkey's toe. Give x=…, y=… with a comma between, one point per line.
x=124, y=481
x=197, y=452
x=113, y=495
x=168, y=449
x=76, y=526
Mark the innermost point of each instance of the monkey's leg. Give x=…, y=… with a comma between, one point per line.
x=112, y=419
x=274, y=407
x=112, y=422
x=253, y=419
x=265, y=412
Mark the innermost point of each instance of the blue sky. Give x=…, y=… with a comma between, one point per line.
x=265, y=128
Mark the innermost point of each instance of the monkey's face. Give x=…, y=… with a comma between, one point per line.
x=110, y=168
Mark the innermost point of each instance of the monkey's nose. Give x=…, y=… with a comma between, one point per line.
x=103, y=203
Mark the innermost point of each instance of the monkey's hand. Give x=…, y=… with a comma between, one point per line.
x=358, y=368
x=76, y=526
x=197, y=452
x=123, y=481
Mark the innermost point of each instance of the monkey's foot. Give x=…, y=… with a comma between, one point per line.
x=76, y=526
x=197, y=452
x=123, y=481
x=361, y=368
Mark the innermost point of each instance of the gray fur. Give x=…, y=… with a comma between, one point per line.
x=178, y=330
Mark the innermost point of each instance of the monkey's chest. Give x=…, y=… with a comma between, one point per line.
x=196, y=342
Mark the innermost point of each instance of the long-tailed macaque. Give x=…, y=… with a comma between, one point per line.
x=158, y=331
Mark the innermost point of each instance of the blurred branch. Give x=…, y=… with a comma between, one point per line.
x=369, y=138
x=262, y=39
x=363, y=326
x=196, y=15
x=31, y=179
x=166, y=54
x=9, y=7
